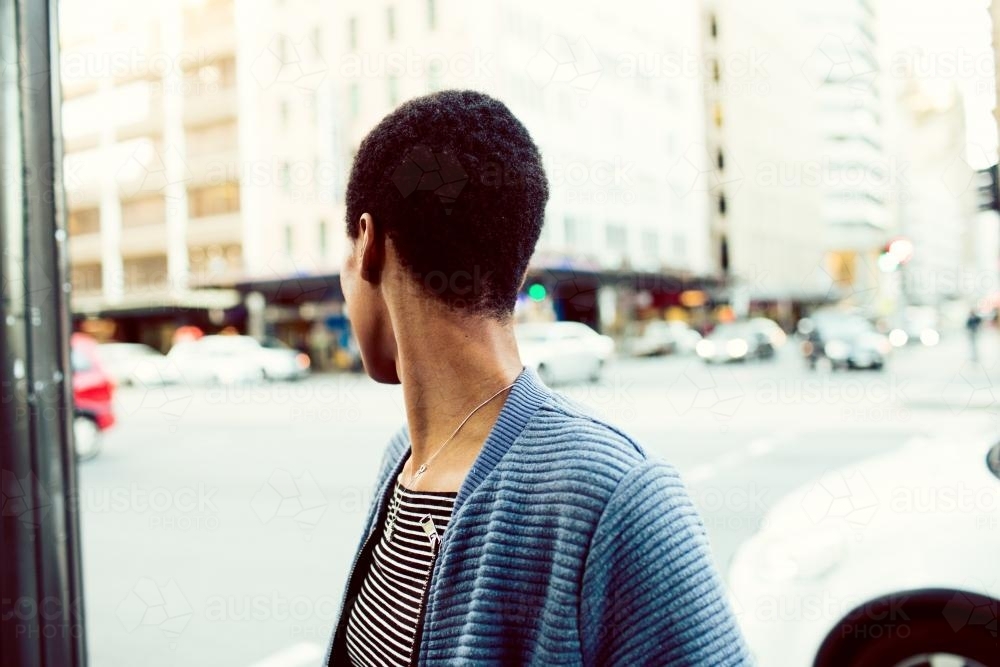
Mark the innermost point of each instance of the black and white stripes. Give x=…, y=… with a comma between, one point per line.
x=384, y=619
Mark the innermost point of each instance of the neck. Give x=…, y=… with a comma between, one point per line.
x=447, y=367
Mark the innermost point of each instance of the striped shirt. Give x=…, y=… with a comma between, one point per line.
x=384, y=621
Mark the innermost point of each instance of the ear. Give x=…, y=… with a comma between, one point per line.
x=371, y=249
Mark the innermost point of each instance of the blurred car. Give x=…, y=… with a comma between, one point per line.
x=135, y=363
x=224, y=359
x=915, y=324
x=736, y=341
x=563, y=351
x=93, y=395
x=775, y=334
x=843, y=340
x=891, y=561
x=664, y=337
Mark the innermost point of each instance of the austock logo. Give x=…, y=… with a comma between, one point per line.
x=439, y=172
x=843, y=496
x=284, y=61
x=150, y=605
x=285, y=496
x=24, y=498
x=570, y=63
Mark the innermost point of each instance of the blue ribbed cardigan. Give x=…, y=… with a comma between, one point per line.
x=568, y=545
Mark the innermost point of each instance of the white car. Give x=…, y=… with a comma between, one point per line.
x=225, y=359
x=135, y=363
x=660, y=337
x=563, y=351
x=892, y=561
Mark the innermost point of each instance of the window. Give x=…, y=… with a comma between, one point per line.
x=713, y=26
x=79, y=361
x=317, y=38
x=144, y=212
x=679, y=243
x=282, y=49
x=85, y=221
x=354, y=99
x=577, y=236
x=431, y=14
x=393, y=83
x=214, y=200
x=352, y=33
x=289, y=239
x=719, y=159
x=285, y=176
x=283, y=113
x=434, y=75
x=86, y=278
x=323, y=241
x=211, y=139
x=722, y=204
x=204, y=262
x=390, y=22
x=616, y=237
x=650, y=241
x=145, y=273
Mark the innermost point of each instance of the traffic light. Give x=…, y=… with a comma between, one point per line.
x=537, y=291
x=895, y=253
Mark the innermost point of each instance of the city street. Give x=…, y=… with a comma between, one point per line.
x=219, y=523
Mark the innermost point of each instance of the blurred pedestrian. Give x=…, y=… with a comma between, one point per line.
x=972, y=325
x=508, y=523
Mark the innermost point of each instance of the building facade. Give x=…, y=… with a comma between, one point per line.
x=193, y=136
x=802, y=180
x=612, y=125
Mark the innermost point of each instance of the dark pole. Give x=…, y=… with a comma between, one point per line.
x=41, y=620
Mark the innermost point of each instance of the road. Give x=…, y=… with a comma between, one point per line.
x=219, y=523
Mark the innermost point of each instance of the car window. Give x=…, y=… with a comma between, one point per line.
x=79, y=361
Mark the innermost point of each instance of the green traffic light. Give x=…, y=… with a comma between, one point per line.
x=536, y=292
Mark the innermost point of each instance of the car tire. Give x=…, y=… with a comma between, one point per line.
x=901, y=628
x=86, y=437
x=595, y=375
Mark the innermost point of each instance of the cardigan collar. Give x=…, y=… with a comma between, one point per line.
x=525, y=397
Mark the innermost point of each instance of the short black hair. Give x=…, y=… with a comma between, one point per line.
x=457, y=184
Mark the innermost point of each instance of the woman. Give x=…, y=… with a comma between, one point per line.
x=510, y=525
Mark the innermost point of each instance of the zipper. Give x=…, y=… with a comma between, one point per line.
x=417, y=639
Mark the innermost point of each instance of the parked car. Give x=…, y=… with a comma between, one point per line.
x=664, y=337
x=775, y=334
x=223, y=359
x=563, y=351
x=891, y=561
x=93, y=395
x=835, y=339
x=135, y=363
x=736, y=341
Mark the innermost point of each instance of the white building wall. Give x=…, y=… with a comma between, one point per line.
x=609, y=130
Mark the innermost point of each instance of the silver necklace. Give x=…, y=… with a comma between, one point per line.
x=397, y=494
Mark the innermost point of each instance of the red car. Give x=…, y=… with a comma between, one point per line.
x=93, y=391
